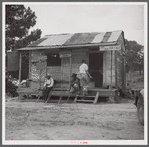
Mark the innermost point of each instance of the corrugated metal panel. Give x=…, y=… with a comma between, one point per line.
x=36, y=43
x=81, y=38
x=55, y=40
x=99, y=37
x=75, y=40
x=106, y=36
x=114, y=36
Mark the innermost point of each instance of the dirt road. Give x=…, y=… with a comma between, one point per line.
x=27, y=120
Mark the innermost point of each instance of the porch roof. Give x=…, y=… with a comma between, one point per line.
x=74, y=40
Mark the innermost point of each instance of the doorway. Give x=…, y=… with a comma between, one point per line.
x=96, y=68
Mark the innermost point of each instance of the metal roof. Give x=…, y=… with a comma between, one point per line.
x=76, y=39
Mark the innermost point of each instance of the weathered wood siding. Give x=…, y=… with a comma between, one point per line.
x=55, y=72
x=71, y=64
x=37, y=69
x=66, y=70
x=104, y=69
x=107, y=68
x=120, y=64
x=77, y=56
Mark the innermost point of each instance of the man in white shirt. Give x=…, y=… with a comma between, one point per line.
x=84, y=76
x=48, y=84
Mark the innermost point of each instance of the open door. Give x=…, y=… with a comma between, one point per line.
x=96, y=68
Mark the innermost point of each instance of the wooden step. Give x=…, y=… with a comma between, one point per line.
x=85, y=101
x=86, y=96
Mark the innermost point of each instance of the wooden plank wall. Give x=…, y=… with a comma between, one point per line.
x=69, y=66
x=37, y=69
x=107, y=68
x=55, y=72
x=43, y=72
x=34, y=72
x=65, y=66
x=119, y=68
x=120, y=64
x=104, y=69
x=77, y=56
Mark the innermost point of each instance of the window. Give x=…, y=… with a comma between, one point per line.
x=53, y=60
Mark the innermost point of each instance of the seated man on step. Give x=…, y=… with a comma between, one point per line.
x=75, y=84
x=49, y=82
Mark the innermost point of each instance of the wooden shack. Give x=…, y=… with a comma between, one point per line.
x=61, y=54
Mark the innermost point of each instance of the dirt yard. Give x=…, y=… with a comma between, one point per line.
x=27, y=120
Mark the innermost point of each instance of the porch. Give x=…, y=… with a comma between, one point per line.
x=62, y=93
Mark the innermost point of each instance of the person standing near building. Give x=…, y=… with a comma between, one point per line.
x=84, y=76
x=48, y=84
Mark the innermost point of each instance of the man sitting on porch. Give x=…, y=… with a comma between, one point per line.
x=75, y=84
x=49, y=82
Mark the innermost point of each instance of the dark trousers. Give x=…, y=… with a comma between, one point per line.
x=46, y=92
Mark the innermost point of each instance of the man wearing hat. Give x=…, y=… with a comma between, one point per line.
x=75, y=83
x=48, y=84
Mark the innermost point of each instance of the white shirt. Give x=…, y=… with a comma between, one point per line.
x=142, y=92
x=83, y=68
x=49, y=82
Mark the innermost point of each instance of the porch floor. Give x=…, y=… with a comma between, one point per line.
x=65, y=92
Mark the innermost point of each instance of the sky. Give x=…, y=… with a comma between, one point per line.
x=58, y=18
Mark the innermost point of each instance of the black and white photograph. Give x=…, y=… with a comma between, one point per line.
x=74, y=73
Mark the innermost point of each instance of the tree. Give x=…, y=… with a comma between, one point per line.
x=134, y=56
x=18, y=22
x=28, y=39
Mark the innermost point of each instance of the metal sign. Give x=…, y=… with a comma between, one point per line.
x=109, y=48
x=65, y=54
x=42, y=57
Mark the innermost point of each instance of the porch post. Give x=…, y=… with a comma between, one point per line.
x=40, y=70
x=70, y=72
x=111, y=69
x=20, y=62
x=111, y=74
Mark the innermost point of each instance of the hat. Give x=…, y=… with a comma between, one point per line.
x=73, y=75
x=48, y=75
x=83, y=61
